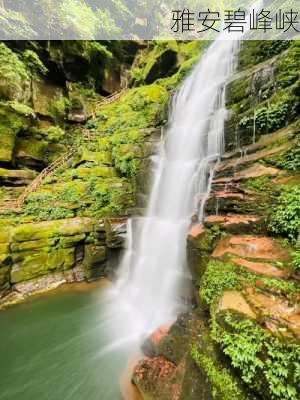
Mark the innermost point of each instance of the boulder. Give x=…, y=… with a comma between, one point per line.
x=94, y=261
x=16, y=177
x=44, y=96
x=4, y=279
x=51, y=229
x=256, y=247
x=32, y=265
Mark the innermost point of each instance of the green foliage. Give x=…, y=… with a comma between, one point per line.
x=259, y=184
x=21, y=108
x=287, y=71
x=286, y=288
x=224, y=384
x=254, y=52
x=266, y=363
x=54, y=134
x=33, y=62
x=42, y=208
x=14, y=76
x=285, y=217
x=290, y=160
x=296, y=261
x=269, y=118
x=217, y=278
x=59, y=108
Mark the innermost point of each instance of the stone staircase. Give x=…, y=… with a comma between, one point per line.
x=16, y=204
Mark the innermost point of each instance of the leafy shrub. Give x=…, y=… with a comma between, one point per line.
x=270, y=118
x=217, y=277
x=289, y=160
x=14, y=77
x=266, y=363
x=296, y=261
x=285, y=218
x=33, y=62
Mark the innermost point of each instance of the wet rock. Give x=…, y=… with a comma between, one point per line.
x=150, y=347
x=9, y=177
x=162, y=65
x=277, y=311
x=234, y=300
x=200, y=244
x=257, y=247
x=94, y=261
x=28, y=265
x=44, y=96
x=255, y=171
x=261, y=268
x=234, y=223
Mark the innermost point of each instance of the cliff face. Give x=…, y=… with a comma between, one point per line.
x=242, y=339
x=74, y=162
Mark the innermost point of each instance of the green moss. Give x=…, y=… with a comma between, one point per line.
x=33, y=62
x=12, y=121
x=14, y=75
x=4, y=278
x=41, y=263
x=94, y=257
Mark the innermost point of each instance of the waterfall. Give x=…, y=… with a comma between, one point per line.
x=153, y=272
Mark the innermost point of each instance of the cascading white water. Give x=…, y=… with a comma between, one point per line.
x=153, y=270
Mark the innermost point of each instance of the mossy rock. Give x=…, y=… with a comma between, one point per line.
x=11, y=123
x=199, y=249
x=42, y=263
x=14, y=76
x=93, y=261
x=100, y=158
x=16, y=177
x=32, y=245
x=5, y=259
x=5, y=233
x=36, y=153
x=4, y=279
x=101, y=172
x=71, y=241
x=46, y=96
x=50, y=229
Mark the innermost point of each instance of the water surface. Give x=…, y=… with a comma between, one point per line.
x=51, y=347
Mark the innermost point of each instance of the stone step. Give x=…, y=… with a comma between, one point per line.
x=234, y=300
x=261, y=268
x=236, y=223
x=277, y=311
x=253, y=247
x=254, y=171
x=230, y=166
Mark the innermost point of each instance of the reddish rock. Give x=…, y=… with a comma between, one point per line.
x=261, y=268
x=153, y=377
x=251, y=247
x=196, y=230
x=240, y=162
x=151, y=345
x=235, y=223
x=234, y=300
x=278, y=311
